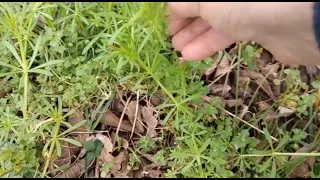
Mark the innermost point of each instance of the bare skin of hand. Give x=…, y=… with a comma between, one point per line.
x=200, y=29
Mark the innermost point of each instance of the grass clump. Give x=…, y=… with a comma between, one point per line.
x=59, y=58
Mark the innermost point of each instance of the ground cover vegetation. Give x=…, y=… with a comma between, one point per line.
x=94, y=89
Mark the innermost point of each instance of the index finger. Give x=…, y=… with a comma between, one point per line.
x=181, y=10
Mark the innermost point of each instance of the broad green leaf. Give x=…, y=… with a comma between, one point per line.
x=14, y=52
x=72, y=141
x=315, y=84
x=53, y=62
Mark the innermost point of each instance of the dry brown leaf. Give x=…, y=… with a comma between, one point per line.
x=153, y=170
x=313, y=72
x=243, y=92
x=124, y=143
x=2, y=93
x=219, y=89
x=76, y=170
x=244, y=81
x=105, y=155
x=264, y=59
x=156, y=98
x=259, y=79
x=285, y=112
x=271, y=116
x=304, y=169
x=91, y=174
x=213, y=66
x=107, y=144
x=223, y=66
x=243, y=111
x=263, y=106
x=76, y=118
x=138, y=173
x=271, y=69
x=134, y=106
x=150, y=119
x=121, y=160
x=117, y=106
x=233, y=102
x=121, y=176
x=68, y=154
x=110, y=119
x=80, y=132
x=149, y=157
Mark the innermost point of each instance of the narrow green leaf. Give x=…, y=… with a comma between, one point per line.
x=53, y=62
x=67, y=124
x=35, y=51
x=9, y=73
x=205, y=145
x=58, y=147
x=73, y=127
x=47, y=16
x=41, y=71
x=273, y=173
x=60, y=168
x=168, y=115
x=187, y=167
x=72, y=141
x=91, y=43
x=268, y=137
x=283, y=140
x=9, y=66
x=45, y=148
x=14, y=52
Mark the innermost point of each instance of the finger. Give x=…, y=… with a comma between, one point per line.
x=189, y=33
x=176, y=25
x=183, y=9
x=205, y=45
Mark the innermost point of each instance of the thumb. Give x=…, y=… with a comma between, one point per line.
x=178, y=10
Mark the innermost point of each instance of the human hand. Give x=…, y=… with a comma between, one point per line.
x=200, y=29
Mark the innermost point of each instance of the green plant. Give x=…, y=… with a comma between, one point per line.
x=250, y=54
x=146, y=144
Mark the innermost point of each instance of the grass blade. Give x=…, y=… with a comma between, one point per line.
x=14, y=52
x=71, y=141
x=53, y=62
x=73, y=127
x=9, y=73
x=35, y=51
x=41, y=71
x=58, y=147
x=9, y=66
x=85, y=50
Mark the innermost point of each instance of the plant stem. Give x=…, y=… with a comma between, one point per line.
x=281, y=154
x=54, y=139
